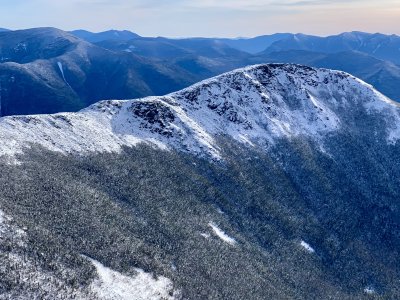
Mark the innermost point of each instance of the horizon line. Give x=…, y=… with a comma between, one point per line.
x=204, y=37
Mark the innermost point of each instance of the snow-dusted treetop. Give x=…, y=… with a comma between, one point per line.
x=254, y=105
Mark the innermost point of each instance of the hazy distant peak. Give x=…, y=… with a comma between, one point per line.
x=94, y=37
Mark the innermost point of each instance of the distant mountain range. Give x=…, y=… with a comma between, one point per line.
x=46, y=70
x=385, y=47
x=250, y=45
x=256, y=44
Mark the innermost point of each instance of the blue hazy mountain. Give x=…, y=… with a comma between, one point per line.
x=200, y=57
x=105, y=35
x=49, y=70
x=168, y=48
x=249, y=45
x=386, y=47
x=256, y=44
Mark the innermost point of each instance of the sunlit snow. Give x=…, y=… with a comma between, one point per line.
x=221, y=234
x=307, y=247
x=112, y=285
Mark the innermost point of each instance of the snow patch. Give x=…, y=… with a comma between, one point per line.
x=130, y=49
x=307, y=247
x=60, y=66
x=205, y=235
x=377, y=48
x=2, y=225
x=369, y=290
x=221, y=234
x=113, y=285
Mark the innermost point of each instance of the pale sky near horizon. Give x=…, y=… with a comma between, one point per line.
x=209, y=18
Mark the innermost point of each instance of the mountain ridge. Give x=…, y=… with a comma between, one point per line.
x=251, y=105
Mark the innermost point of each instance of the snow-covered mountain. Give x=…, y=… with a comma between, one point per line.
x=274, y=181
x=254, y=105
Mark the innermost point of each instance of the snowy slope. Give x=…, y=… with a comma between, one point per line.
x=110, y=285
x=255, y=105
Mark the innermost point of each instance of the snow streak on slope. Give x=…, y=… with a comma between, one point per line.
x=221, y=234
x=60, y=66
x=307, y=246
x=255, y=105
x=1, y=218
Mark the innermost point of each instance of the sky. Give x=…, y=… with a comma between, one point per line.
x=207, y=18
